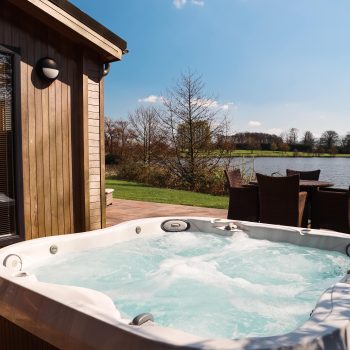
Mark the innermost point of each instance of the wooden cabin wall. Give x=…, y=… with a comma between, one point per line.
x=56, y=200
x=95, y=142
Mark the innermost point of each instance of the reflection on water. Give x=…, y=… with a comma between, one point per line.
x=335, y=170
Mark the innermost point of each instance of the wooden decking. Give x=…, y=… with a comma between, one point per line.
x=124, y=210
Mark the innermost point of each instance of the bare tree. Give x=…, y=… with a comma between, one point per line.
x=110, y=134
x=346, y=143
x=125, y=138
x=293, y=136
x=284, y=136
x=145, y=125
x=191, y=125
x=329, y=140
x=118, y=138
x=309, y=140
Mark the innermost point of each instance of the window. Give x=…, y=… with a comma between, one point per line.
x=7, y=160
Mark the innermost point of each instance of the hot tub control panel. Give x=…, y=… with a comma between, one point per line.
x=175, y=225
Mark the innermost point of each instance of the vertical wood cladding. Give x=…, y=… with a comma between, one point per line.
x=14, y=337
x=93, y=73
x=51, y=114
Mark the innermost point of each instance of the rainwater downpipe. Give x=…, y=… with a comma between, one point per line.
x=107, y=66
x=106, y=69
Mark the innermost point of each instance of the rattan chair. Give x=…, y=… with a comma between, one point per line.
x=305, y=175
x=243, y=201
x=233, y=177
x=330, y=209
x=280, y=200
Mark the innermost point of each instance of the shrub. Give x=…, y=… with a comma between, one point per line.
x=208, y=180
x=112, y=159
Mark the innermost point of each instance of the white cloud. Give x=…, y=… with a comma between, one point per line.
x=214, y=104
x=151, y=99
x=198, y=2
x=276, y=131
x=227, y=106
x=179, y=3
x=254, y=124
x=206, y=103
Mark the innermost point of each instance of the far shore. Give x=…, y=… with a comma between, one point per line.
x=289, y=154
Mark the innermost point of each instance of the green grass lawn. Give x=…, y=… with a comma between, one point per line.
x=141, y=192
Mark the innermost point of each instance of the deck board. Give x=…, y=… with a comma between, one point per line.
x=124, y=210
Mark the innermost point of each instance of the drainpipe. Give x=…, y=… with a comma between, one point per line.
x=107, y=66
x=106, y=69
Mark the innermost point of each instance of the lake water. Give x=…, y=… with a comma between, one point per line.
x=336, y=170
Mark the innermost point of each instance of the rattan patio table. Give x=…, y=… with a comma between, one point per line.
x=307, y=184
x=312, y=184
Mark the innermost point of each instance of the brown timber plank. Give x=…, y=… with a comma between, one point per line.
x=95, y=212
x=94, y=109
x=94, y=156
x=96, y=205
x=77, y=125
x=94, y=129
x=65, y=147
x=93, y=136
x=94, y=150
x=102, y=155
x=95, y=226
x=94, y=101
x=94, y=122
x=32, y=143
x=96, y=221
x=70, y=80
x=46, y=157
x=39, y=144
x=94, y=185
x=94, y=164
x=86, y=145
x=95, y=171
x=25, y=135
x=94, y=191
x=53, y=153
x=59, y=153
x=95, y=199
x=93, y=95
x=93, y=88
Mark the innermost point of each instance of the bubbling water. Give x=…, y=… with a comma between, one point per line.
x=208, y=285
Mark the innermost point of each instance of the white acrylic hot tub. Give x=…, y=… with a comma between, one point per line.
x=78, y=318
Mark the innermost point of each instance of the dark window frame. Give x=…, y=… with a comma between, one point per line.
x=17, y=148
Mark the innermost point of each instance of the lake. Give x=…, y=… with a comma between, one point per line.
x=336, y=170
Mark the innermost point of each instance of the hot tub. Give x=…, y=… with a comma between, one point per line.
x=75, y=317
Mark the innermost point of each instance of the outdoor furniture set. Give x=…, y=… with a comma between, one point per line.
x=298, y=199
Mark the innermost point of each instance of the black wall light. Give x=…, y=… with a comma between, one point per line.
x=47, y=69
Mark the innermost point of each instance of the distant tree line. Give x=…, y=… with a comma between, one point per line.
x=329, y=142
x=252, y=141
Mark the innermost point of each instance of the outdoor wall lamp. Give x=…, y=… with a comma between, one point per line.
x=47, y=69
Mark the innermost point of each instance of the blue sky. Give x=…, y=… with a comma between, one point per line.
x=271, y=64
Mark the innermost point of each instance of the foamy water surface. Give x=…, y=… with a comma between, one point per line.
x=208, y=285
